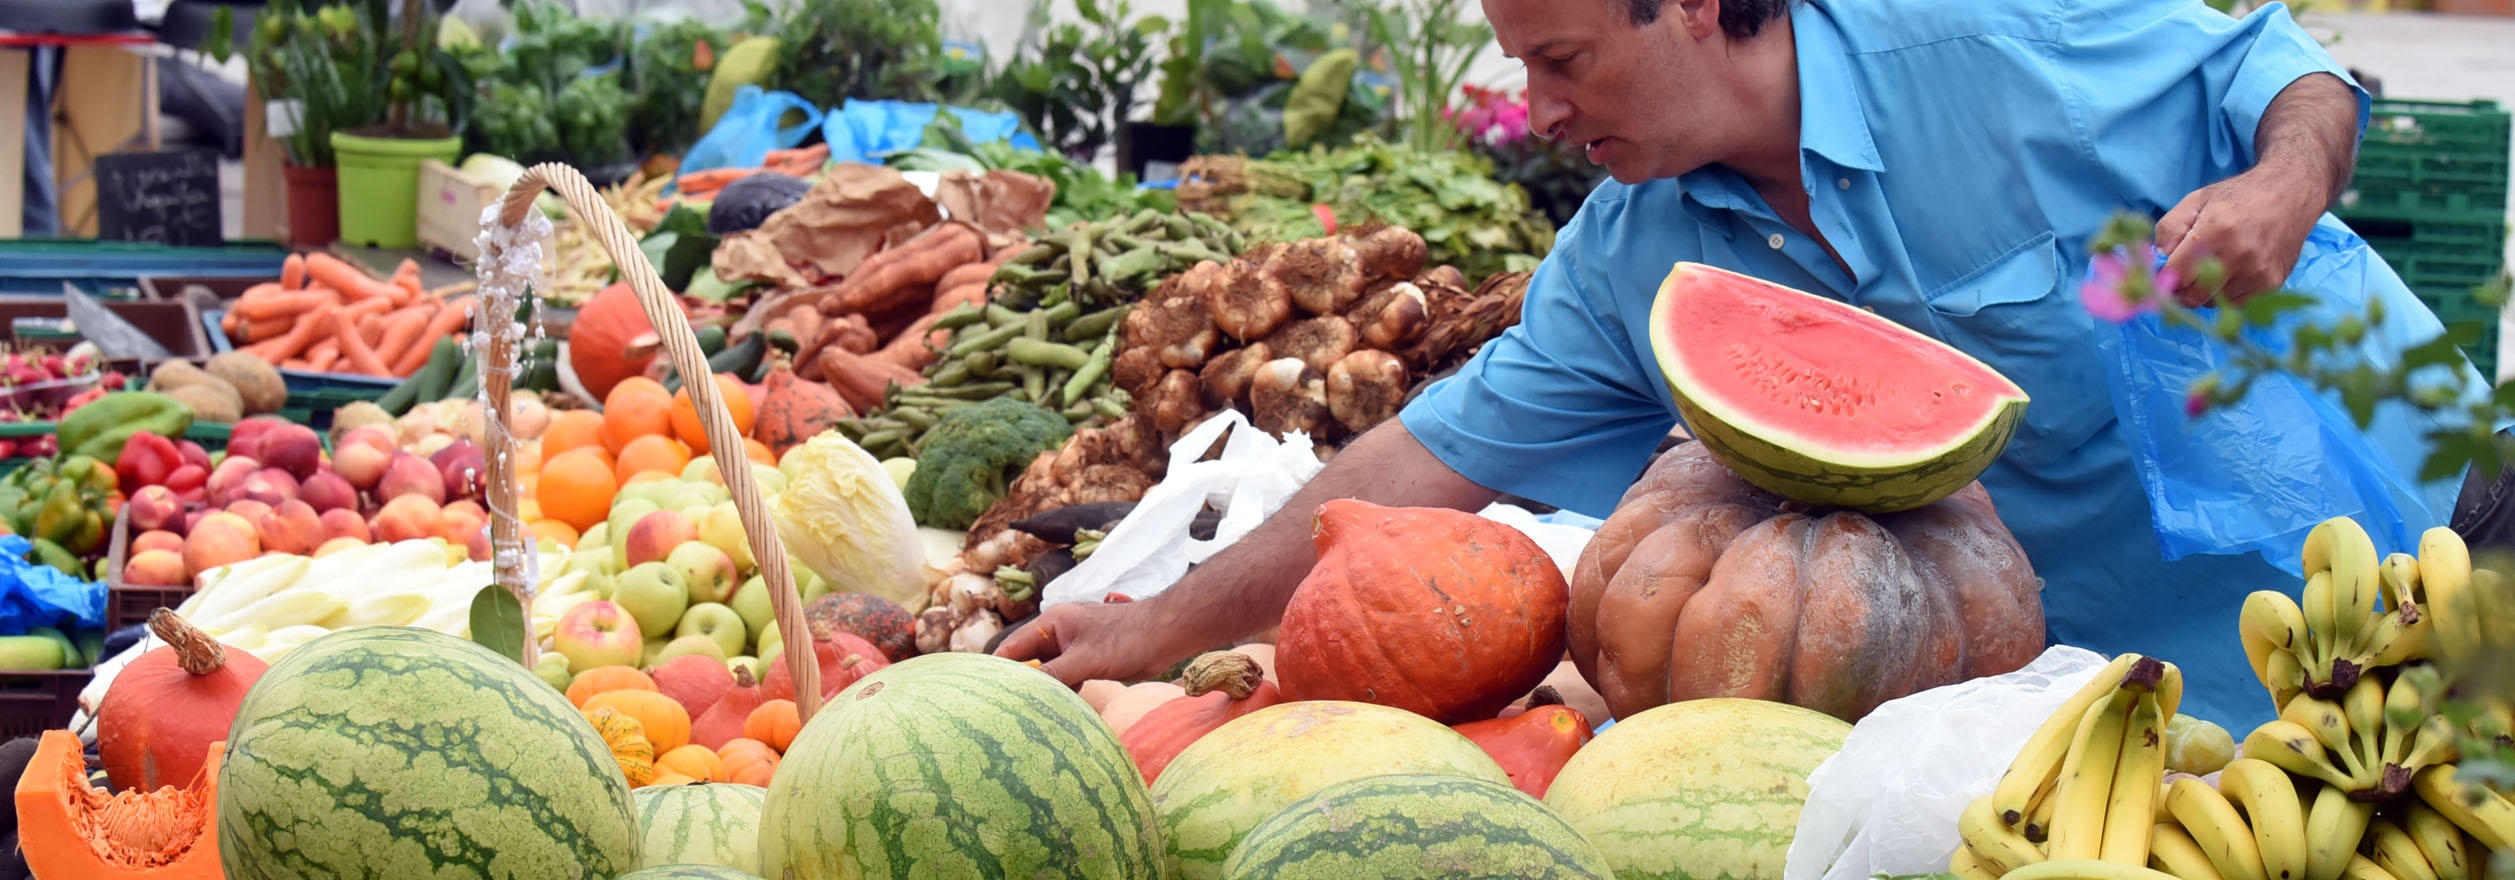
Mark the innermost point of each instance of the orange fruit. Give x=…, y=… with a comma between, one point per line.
x=758, y=452
x=647, y=476
x=571, y=429
x=552, y=531
x=685, y=414
x=576, y=488
x=632, y=412
x=652, y=452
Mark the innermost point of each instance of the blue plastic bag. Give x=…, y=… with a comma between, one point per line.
x=743, y=137
x=867, y=131
x=2258, y=475
x=33, y=595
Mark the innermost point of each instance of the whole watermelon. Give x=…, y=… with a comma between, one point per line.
x=390, y=752
x=1697, y=790
x=1416, y=826
x=958, y=765
x=687, y=872
x=701, y=823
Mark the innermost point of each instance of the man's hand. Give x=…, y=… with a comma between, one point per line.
x=2254, y=224
x=1081, y=641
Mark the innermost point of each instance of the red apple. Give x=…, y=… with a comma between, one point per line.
x=598, y=633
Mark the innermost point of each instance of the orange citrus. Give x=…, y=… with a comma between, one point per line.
x=647, y=476
x=632, y=412
x=685, y=414
x=552, y=531
x=572, y=429
x=577, y=488
x=652, y=452
x=758, y=452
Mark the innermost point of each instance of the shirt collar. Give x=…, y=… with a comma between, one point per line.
x=1831, y=123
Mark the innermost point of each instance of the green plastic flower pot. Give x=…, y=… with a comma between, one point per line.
x=379, y=184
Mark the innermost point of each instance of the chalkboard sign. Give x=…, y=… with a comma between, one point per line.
x=166, y=197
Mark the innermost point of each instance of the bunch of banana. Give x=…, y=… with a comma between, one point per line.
x=2086, y=784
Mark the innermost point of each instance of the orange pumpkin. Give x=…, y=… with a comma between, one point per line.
x=611, y=340
x=67, y=827
x=605, y=679
x=694, y=761
x=776, y=722
x=667, y=724
x=166, y=708
x=628, y=742
x=1700, y=585
x=748, y=761
x=1442, y=613
x=1532, y=745
x=1221, y=686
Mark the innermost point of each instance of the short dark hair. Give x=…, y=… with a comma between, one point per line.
x=1740, y=19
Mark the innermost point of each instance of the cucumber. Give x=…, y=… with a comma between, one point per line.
x=543, y=374
x=440, y=366
x=711, y=338
x=466, y=381
x=739, y=358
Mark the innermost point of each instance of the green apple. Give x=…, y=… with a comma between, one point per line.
x=623, y=515
x=751, y=600
x=900, y=469
x=721, y=527
x=553, y=668
x=758, y=670
x=701, y=645
x=594, y=538
x=655, y=594
x=717, y=622
x=702, y=469
x=770, y=480
x=597, y=633
x=655, y=492
x=30, y=652
x=772, y=640
x=653, y=653
x=810, y=584
x=708, y=572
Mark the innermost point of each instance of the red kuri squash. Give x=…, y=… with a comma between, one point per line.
x=843, y=656
x=721, y=723
x=611, y=340
x=166, y=708
x=1222, y=685
x=1532, y=744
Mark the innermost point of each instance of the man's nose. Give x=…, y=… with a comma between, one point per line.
x=1547, y=114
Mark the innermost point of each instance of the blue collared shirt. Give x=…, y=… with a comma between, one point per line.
x=1958, y=154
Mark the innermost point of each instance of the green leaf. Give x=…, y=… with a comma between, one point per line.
x=1318, y=97
x=679, y=246
x=498, y=622
x=2451, y=455
x=2264, y=310
x=2434, y=352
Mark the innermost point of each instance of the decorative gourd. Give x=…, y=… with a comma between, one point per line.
x=166, y=708
x=748, y=761
x=776, y=723
x=844, y=657
x=605, y=679
x=722, y=722
x=1441, y=613
x=795, y=409
x=628, y=742
x=1129, y=706
x=610, y=340
x=665, y=723
x=67, y=827
x=1222, y=685
x=1532, y=744
x=1701, y=585
x=694, y=761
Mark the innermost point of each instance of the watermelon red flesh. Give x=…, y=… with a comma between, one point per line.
x=1821, y=402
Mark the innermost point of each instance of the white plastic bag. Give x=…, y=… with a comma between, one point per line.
x=1150, y=549
x=1887, y=803
x=1562, y=542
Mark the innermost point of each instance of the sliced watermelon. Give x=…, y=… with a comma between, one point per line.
x=1822, y=403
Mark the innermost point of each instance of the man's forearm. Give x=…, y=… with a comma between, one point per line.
x=2309, y=135
x=1244, y=588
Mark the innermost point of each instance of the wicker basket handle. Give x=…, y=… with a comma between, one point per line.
x=724, y=441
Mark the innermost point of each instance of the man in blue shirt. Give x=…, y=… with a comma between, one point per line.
x=1943, y=163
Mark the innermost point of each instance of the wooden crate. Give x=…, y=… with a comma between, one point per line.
x=449, y=209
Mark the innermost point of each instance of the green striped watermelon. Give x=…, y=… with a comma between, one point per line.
x=958, y=765
x=403, y=752
x=687, y=872
x=1697, y=790
x=1418, y=826
x=1255, y=765
x=1820, y=402
x=701, y=823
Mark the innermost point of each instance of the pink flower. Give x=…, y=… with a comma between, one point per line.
x=2194, y=404
x=2119, y=288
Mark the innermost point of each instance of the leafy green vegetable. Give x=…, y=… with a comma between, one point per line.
x=1467, y=218
x=679, y=246
x=831, y=50
x=969, y=459
x=1312, y=107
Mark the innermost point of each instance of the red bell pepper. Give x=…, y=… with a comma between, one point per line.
x=146, y=460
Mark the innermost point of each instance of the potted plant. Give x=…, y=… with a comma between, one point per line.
x=306, y=61
x=1075, y=84
x=423, y=93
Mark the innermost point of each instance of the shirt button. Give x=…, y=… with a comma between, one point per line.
x=1775, y=241
x=1842, y=182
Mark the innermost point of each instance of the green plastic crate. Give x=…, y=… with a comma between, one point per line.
x=2422, y=159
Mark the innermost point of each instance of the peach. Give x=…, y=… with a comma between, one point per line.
x=155, y=507
x=252, y=510
x=408, y=518
x=342, y=522
x=410, y=475
x=337, y=545
x=229, y=477
x=362, y=456
x=292, y=527
x=328, y=490
x=220, y=539
x=462, y=520
x=156, y=540
x=463, y=466
x=269, y=485
x=655, y=534
x=192, y=519
x=291, y=447
x=478, y=545
x=156, y=568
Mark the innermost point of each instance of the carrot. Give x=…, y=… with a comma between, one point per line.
x=309, y=327
x=262, y=328
x=292, y=272
x=361, y=357
x=277, y=304
x=227, y=322
x=262, y=290
x=297, y=364
x=710, y=180
x=353, y=283
x=323, y=354
x=407, y=275
x=362, y=308
x=878, y=285
x=401, y=331
x=448, y=318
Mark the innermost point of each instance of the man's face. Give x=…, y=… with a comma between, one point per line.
x=1632, y=95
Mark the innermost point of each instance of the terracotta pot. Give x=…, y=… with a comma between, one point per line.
x=314, y=207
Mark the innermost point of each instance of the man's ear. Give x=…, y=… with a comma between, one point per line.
x=1699, y=18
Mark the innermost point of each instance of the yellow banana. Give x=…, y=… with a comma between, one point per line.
x=2039, y=824
x=2485, y=815
x=2405, y=707
x=2364, y=704
x=2132, y=806
x=2214, y=824
x=2287, y=675
x=2291, y=747
x=2169, y=693
x=2438, y=840
x=2395, y=851
x=1967, y=866
x=2269, y=802
x=2363, y=868
x=2357, y=580
x=2172, y=850
x=2329, y=725
x=2317, y=554
x=2273, y=617
x=1999, y=848
x=2434, y=743
x=2445, y=576
x=2085, y=869
x=2316, y=601
x=2400, y=634
x=2085, y=792
x=2332, y=831
x=2035, y=771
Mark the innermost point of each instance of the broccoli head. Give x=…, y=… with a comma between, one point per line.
x=970, y=458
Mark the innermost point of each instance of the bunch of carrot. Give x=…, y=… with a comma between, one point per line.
x=327, y=316
x=798, y=161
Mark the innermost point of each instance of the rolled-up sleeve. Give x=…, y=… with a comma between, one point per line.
x=2142, y=77
x=1550, y=410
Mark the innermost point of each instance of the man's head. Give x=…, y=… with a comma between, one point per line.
x=1650, y=87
